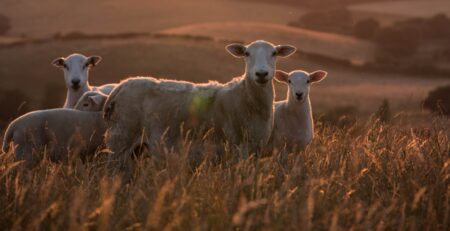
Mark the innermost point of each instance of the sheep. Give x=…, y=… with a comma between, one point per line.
x=140, y=110
x=91, y=101
x=76, y=74
x=293, y=126
x=59, y=131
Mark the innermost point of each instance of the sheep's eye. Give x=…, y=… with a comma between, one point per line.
x=246, y=54
x=289, y=81
x=85, y=104
x=65, y=66
x=308, y=81
x=274, y=54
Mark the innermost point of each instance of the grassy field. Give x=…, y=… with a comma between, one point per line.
x=371, y=177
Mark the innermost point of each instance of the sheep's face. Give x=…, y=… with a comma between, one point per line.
x=76, y=69
x=299, y=82
x=260, y=58
x=91, y=101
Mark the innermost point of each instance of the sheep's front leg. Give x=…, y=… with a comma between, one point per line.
x=156, y=141
x=119, y=140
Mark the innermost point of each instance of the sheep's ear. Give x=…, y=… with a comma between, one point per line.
x=317, y=76
x=285, y=50
x=281, y=76
x=97, y=99
x=236, y=49
x=92, y=61
x=59, y=62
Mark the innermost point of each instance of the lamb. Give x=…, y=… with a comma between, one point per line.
x=76, y=74
x=140, y=110
x=59, y=131
x=293, y=127
x=91, y=101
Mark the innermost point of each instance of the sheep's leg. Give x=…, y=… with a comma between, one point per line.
x=28, y=154
x=57, y=150
x=122, y=139
x=26, y=149
x=283, y=158
x=119, y=139
x=139, y=145
x=118, y=145
x=120, y=160
x=156, y=142
x=257, y=147
x=19, y=146
x=221, y=145
x=22, y=153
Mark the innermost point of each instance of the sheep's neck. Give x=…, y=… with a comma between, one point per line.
x=259, y=95
x=73, y=96
x=301, y=111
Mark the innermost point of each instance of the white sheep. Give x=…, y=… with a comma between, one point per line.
x=76, y=75
x=91, y=101
x=293, y=127
x=59, y=132
x=141, y=110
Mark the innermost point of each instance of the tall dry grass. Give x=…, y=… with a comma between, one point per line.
x=376, y=177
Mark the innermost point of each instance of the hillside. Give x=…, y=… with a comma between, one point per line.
x=388, y=12
x=47, y=17
x=327, y=44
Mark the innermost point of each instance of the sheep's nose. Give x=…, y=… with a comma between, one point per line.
x=75, y=81
x=299, y=95
x=261, y=74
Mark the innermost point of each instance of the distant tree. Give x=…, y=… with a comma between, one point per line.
x=366, y=28
x=330, y=20
x=399, y=41
x=437, y=27
x=438, y=100
x=5, y=24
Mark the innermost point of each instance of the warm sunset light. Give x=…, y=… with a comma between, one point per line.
x=225, y=115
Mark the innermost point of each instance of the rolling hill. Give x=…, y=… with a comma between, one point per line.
x=326, y=44
x=387, y=12
x=47, y=17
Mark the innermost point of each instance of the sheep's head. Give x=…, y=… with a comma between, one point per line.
x=299, y=82
x=260, y=58
x=91, y=101
x=76, y=69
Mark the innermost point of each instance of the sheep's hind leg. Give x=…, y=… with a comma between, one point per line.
x=122, y=146
x=27, y=149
